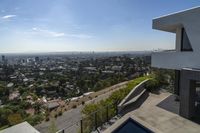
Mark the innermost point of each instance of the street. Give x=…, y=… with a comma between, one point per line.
x=71, y=118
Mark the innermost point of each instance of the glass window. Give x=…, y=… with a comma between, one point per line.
x=185, y=42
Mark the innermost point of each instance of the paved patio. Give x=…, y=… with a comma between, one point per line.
x=153, y=114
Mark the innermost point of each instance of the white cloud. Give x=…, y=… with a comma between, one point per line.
x=49, y=33
x=81, y=36
x=8, y=16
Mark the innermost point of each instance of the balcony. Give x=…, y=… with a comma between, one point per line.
x=175, y=60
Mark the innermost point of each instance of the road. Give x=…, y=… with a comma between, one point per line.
x=73, y=116
x=66, y=120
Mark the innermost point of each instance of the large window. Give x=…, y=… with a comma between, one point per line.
x=185, y=42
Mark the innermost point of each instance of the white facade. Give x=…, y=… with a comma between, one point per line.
x=181, y=23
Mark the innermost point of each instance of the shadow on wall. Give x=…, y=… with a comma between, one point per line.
x=135, y=105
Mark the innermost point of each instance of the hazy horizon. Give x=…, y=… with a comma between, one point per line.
x=75, y=52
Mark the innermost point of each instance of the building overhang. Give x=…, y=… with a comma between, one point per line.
x=173, y=21
x=158, y=25
x=186, y=26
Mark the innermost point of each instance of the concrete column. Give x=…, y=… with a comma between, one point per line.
x=178, y=38
x=187, y=95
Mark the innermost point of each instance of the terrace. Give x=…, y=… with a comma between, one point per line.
x=158, y=113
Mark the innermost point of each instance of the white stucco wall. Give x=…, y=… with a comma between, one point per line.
x=190, y=20
x=176, y=60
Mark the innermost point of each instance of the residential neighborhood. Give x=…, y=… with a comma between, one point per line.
x=37, y=88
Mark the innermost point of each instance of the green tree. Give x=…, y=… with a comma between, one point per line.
x=35, y=119
x=37, y=107
x=4, y=113
x=14, y=119
x=3, y=90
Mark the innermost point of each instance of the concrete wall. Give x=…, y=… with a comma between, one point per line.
x=176, y=60
x=189, y=77
x=133, y=95
x=178, y=39
x=190, y=21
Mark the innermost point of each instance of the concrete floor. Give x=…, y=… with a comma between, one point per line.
x=153, y=113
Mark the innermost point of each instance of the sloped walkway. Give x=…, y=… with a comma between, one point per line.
x=132, y=98
x=158, y=119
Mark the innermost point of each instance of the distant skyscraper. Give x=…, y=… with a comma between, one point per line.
x=3, y=58
x=37, y=59
x=4, y=61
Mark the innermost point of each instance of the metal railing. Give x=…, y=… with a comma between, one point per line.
x=94, y=121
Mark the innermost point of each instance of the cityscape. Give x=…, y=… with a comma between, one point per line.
x=46, y=85
x=117, y=66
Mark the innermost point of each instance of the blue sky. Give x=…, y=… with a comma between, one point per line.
x=85, y=25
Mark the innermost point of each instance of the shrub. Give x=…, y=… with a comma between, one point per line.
x=52, y=127
x=83, y=102
x=33, y=120
x=152, y=85
x=60, y=113
x=114, y=99
x=14, y=119
x=47, y=119
x=74, y=106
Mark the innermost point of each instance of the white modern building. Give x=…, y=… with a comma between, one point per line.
x=185, y=58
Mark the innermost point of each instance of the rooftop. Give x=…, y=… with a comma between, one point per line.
x=24, y=127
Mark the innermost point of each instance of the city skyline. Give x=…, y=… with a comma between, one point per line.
x=57, y=26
